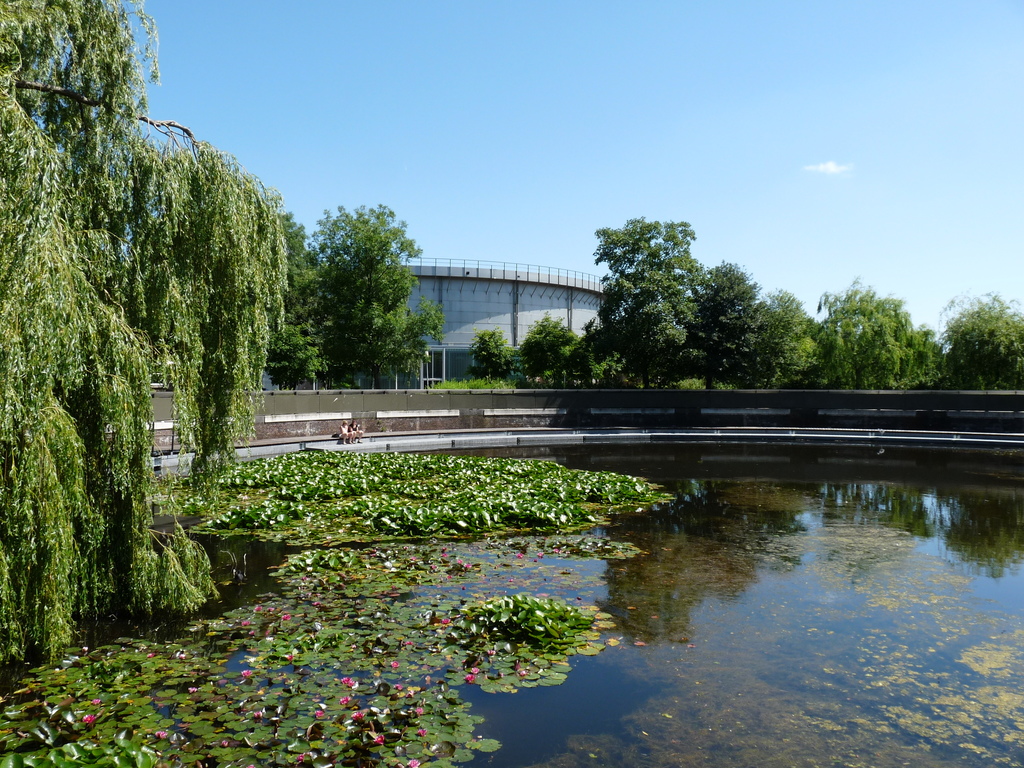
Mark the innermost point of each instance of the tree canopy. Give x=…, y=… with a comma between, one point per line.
x=547, y=352
x=785, y=349
x=724, y=327
x=365, y=285
x=984, y=345
x=294, y=353
x=647, y=296
x=129, y=251
x=493, y=358
x=867, y=341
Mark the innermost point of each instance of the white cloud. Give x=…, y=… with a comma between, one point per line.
x=830, y=167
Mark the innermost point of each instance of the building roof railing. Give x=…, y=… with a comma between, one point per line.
x=500, y=270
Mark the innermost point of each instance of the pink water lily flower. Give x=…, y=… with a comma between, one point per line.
x=89, y=719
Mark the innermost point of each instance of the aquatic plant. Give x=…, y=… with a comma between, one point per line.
x=320, y=497
x=541, y=623
x=360, y=656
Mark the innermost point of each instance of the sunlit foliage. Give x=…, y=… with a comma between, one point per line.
x=984, y=345
x=365, y=284
x=867, y=341
x=129, y=252
x=647, y=296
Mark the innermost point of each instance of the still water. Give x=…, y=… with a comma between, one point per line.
x=795, y=606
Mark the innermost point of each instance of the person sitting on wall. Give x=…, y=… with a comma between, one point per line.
x=343, y=432
x=357, y=432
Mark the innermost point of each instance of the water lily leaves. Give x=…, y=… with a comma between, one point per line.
x=485, y=745
x=317, y=497
x=358, y=657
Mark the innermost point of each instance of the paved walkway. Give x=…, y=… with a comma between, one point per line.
x=466, y=439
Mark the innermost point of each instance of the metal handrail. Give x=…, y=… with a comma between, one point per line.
x=528, y=269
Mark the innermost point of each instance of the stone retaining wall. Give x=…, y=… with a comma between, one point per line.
x=285, y=415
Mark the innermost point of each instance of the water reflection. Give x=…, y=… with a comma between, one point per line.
x=816, y=610
x=705, y=543
x=794, y=606
x=984, y=528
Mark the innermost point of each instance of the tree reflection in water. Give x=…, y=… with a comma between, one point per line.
x=807, y=605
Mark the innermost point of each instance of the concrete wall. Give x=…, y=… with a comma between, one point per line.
x=507, y=297
x=295, y=414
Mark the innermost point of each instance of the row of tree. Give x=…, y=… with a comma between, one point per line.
x=666, y=320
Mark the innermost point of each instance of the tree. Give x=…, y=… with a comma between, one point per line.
x=128, y=250
x=547, y=351
x=724, y=327
x=365, y=286
x=866, y=341
x=984, y=345
x=785, y=348
x=590, y=366
x=493, y=358
x=647, y=296
x=294, y=354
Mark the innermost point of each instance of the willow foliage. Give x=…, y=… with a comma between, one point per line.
x=867, y=341
x=128, y=251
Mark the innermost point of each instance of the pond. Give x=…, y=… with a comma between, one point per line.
x=799, y=606
x=791, y=606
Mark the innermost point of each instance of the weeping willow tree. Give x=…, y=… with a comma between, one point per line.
x=128, y=250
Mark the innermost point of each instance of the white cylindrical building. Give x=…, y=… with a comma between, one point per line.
x=482, y=295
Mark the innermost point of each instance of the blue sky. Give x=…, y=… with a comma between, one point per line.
x=812, y=143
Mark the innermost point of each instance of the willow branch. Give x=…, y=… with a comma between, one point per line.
x=45, y=88
x=169, y=128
